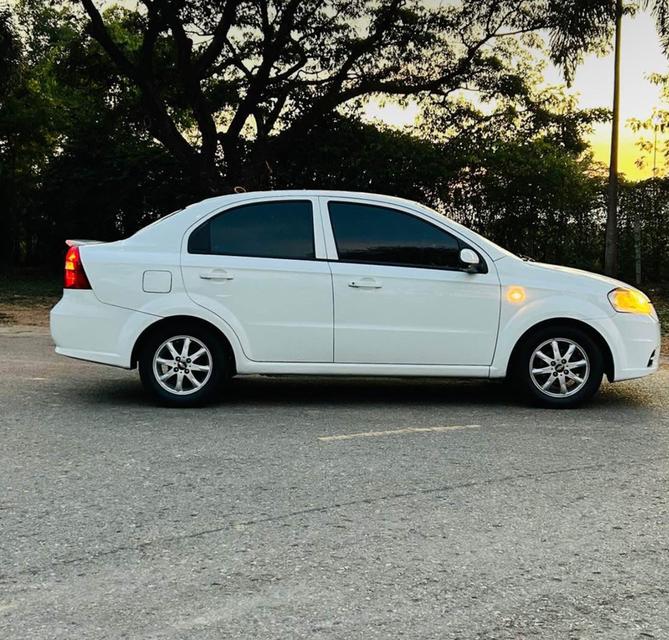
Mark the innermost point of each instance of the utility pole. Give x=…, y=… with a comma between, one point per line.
x=611, y=243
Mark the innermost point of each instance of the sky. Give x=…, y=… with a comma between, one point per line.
x=593, y=83
x=641, y=55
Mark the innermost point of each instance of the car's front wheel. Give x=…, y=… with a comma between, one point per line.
x=559, y=366
x=183, y=367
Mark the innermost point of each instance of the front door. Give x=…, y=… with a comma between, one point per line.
x=401, y=295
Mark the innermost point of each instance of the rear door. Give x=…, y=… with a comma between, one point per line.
x=401, y=295
x=260, y=266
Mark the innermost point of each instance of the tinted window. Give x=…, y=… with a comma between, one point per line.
x=263, y=230
x=366, y=233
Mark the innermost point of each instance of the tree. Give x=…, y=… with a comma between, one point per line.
x=244, y=74
x=75, y=157
x=10, y=71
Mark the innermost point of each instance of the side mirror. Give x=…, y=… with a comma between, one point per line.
x=470, y=260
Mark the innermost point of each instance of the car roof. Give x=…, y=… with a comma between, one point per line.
x=303, y=193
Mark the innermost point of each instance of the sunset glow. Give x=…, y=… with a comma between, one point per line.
x=641, y=56
x=593, y=84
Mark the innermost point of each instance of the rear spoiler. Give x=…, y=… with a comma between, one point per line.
x=78, y=243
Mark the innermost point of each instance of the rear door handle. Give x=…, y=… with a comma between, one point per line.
x=216, y=274
x=365, y=283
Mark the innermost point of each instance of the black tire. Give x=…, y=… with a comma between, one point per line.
x=211, y=381
x=553, y=397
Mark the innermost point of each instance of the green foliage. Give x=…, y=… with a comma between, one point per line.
x=347, y=153
x=644, y=227
x=76, y=157
x=10, y=52
x=536, y=200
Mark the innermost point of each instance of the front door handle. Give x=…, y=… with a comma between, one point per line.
x=365, y=283
x=216, y=274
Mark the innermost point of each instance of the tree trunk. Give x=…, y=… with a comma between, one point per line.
x=611, y=244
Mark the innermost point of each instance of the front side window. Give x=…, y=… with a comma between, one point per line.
x=379, y=235
x=261, y=230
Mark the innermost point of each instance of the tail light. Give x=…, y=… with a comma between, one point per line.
x=75, y=276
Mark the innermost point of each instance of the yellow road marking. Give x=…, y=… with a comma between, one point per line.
x=374, y=434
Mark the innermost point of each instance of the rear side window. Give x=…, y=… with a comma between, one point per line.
x=262, y=230
x=368, y=233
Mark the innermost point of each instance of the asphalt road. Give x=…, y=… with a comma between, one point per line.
x=476, y=517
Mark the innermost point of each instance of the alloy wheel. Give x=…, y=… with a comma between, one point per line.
x=182, y=365
x=559, y=367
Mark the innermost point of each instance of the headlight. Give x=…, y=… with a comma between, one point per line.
x=630, y=301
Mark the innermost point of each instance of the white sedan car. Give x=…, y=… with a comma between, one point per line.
x=342, y=283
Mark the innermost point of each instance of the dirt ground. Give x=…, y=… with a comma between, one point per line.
x=34, y=313
x=28, y=305
x=26, y=299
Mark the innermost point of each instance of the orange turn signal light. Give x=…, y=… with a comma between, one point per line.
x=515, y=294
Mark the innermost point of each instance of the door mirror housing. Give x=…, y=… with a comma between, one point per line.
x=470, y=260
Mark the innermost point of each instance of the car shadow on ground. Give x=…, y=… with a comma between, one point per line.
x=268, y=391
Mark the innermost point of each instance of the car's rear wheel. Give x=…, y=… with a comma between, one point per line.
x=183, y=367
x=559, y=367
